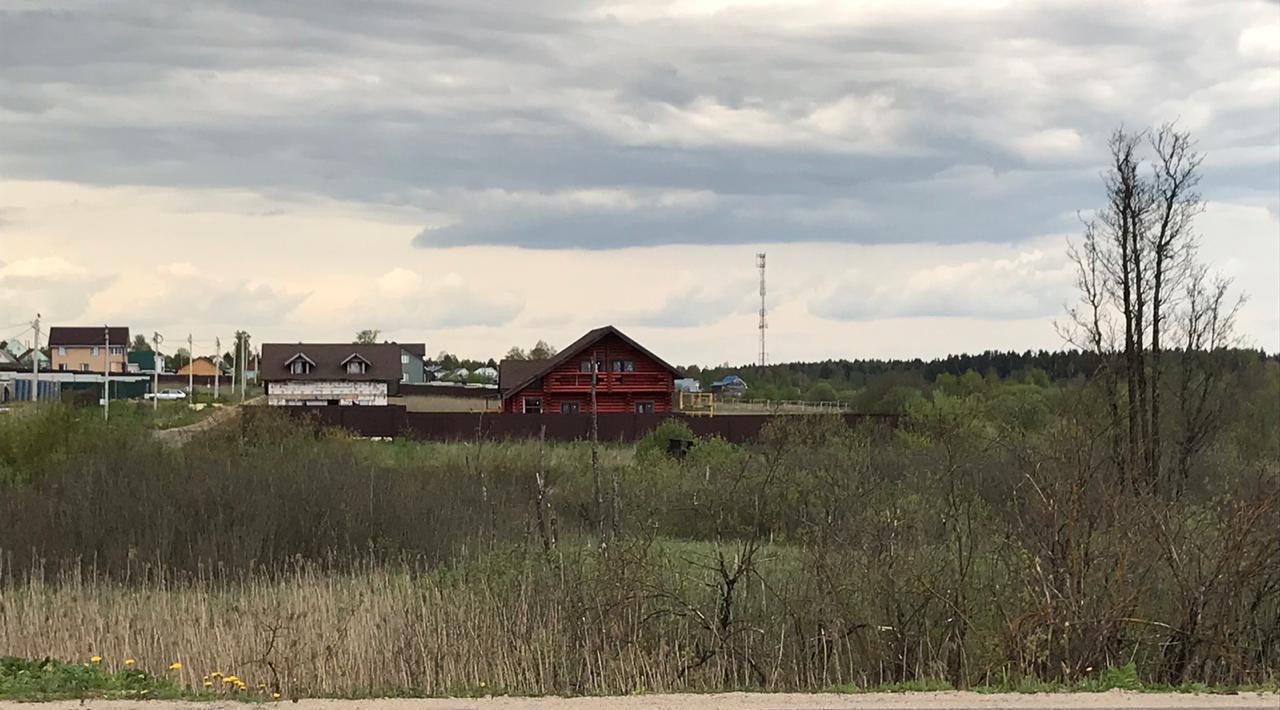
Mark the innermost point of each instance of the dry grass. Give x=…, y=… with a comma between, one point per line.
x=383, y=629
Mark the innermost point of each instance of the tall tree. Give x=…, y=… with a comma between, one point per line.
x=368, y=336
x=1136, y=260
x=139, y=344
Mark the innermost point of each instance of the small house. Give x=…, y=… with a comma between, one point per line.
x=147, y=361
x=730, y=387
x=199, y=367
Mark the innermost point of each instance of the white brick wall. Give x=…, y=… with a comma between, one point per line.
x=326, y=391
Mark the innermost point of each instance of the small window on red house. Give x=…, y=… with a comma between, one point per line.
x=533, y=405
x=617, y=366
x=628, y=366
x=584, y=366
x=644, y=407
x=569, y=407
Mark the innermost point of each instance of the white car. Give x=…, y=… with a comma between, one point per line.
x=167, y=394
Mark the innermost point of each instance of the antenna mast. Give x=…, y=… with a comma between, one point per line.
x=763, y=311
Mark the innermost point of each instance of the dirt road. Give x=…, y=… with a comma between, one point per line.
x=738, y=701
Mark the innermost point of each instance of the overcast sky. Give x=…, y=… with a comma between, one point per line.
x=478, y=175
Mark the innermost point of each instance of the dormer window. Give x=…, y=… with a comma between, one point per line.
x=355, y=365
x=300, y=365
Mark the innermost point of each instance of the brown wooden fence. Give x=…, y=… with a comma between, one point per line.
x=395, y=421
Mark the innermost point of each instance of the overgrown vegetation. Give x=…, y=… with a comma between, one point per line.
x=989, y=542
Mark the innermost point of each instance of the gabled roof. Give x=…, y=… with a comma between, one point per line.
x=353, y=356
x=63, y=336
x=537, y=368
x=419, y=349
x=729, y=380
x=327, y=360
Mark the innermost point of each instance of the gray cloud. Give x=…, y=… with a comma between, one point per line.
x=947, y=126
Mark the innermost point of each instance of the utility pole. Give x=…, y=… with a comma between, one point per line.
x=35, y=362
x=235, y=362
x=155, y=370
x=217, y=367
x=244, y=365
x=106, y=373
x=191, y=371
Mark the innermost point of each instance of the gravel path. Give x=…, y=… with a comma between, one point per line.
x=1114, y=700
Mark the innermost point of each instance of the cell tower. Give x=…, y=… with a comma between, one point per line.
x=764, y=322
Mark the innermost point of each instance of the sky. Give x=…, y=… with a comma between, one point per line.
x=482, y=175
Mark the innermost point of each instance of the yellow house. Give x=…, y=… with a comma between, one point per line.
x=200, y=367
x=88, y=349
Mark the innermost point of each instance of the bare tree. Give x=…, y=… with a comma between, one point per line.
x=1135, y=258
x=1172, y=245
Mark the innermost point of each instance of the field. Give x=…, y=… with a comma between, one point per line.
x=988, y=544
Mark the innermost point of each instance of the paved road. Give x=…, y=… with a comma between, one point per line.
x=739, y=701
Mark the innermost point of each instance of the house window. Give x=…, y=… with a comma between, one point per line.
x=628, y=365
x=299, y=367
x=570, y=407
x=84, y=367
x=95, y=350
x=584, y=366
x=117, y=350
x=617, y=366
x=62, y=366
x=644, y=407
x=357, y=367
x=404, y=358
x=62, y=351
x=533, y=405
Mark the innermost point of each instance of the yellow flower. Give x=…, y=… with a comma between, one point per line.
x=207, y=684
x=275, y=696
x=95, y=659
x=482, y=684
x=229, y=679
x=175, y=666
x=216, y=674
x=129, y=662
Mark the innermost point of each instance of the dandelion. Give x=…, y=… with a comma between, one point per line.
x=216, y=674
x=95, y=659
x=175, y=666
x=208, y=684
x=129, y=663
x=482, y=684
x=275, y=696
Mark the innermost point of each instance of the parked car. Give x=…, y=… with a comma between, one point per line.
x=167, y=394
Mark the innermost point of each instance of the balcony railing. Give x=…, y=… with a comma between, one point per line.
x=608, y=381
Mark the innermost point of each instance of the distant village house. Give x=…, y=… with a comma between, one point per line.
x=89, y=349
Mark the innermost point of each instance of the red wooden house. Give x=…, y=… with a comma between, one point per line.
x=629, y=378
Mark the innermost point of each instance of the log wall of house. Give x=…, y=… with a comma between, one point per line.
x=616, y=392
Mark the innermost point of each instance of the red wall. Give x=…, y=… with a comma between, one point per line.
x=616, y=392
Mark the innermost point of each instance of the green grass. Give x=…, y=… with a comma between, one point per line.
x=48, y=679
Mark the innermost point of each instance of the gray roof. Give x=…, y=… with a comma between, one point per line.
x=328, y=359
